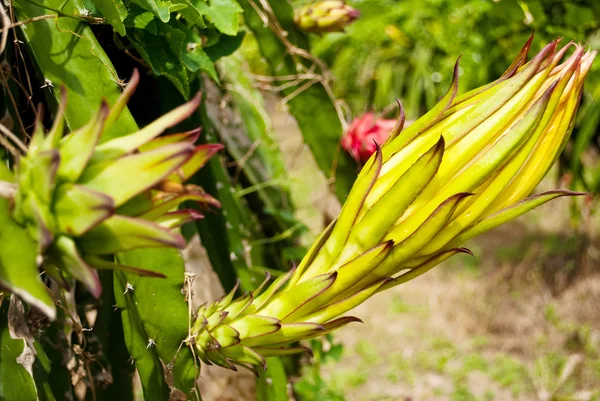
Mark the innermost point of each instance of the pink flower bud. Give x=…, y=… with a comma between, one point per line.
x=360, y=138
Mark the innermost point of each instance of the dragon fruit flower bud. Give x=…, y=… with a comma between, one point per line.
x=363, y=135
x=465, y=167
x=325, y=16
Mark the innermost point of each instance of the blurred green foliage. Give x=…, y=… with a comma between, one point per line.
x=408, y=51
x=176, y=39
x=311, y=386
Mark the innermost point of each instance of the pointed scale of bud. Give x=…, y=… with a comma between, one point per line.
x=325, y=16
x=83, y=195
x=465, y=167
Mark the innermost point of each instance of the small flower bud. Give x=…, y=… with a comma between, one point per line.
x=325, y=16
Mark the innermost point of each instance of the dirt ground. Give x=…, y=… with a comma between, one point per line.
x=519, y=321
x=490, y=328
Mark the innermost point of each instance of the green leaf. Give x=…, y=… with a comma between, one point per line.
x=161, y=9
x=162, y=52
x=160, y=313
x=187, y=45
x=193, y=55
x=224, y=14
x=18, y=268
x=225, y=46
x=16, y=383
x=141, y=19
x=114, y=12
x=192, y=14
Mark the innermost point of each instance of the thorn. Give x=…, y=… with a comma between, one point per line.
x=128, y=287
x=151, y=343
x=121, y=83
x=47, y=84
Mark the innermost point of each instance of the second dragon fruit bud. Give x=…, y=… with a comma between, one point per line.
x=325, y=16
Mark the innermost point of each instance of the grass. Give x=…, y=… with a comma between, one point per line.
x=349, y=378
x=472, y=361
x=462, y=393
x=398, y=306
x=368, y=353
x=510, y=373
x=475, y=362
x=479, y=342
x=400, y=370
x=464, y=365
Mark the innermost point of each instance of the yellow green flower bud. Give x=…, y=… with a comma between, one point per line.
x=465, y=167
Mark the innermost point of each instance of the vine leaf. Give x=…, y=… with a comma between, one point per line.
x=224, y=14
x=162, y=52
x=114, y=12
x=191, y=52
x=141, y=19
x=226, y=46
x=162, y=9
